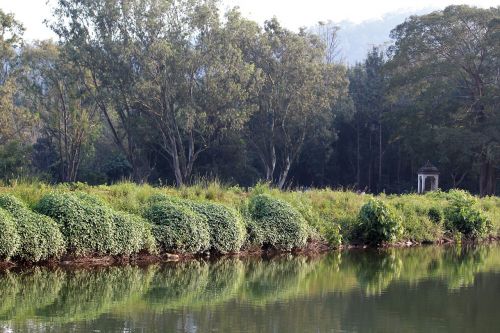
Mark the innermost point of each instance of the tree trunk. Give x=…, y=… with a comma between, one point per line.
x=487, y=179
x=358, y=159
x=370, y=162
x=379, y=183
x=284, y=173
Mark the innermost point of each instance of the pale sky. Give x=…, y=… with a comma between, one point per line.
x=293, y=14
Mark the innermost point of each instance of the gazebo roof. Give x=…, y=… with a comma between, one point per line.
x=428, y=169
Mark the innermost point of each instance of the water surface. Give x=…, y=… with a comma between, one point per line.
x=430, y=289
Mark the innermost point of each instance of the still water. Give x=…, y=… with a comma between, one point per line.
x=430, y=289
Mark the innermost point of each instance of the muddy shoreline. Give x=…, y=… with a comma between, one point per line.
x=311, y=250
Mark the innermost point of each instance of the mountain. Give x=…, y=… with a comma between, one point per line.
x=355, y=40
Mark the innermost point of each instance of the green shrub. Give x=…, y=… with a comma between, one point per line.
x=332, y=234
x=436, y=215
x=176, y=228
x=131, y=234
x=227, y=232
x=9, y=238
x=282, y=226
x=464, y=215
x=379, y=222
x=40, y=237
x=87, y=228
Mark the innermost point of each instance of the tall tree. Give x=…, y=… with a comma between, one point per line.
x=57, y=92
x=446, y=64
x=297, y=96
x=15, y=120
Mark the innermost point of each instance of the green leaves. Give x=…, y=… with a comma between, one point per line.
x=39, y=236
x=464, y=215
x=176, y=228
x=90, y=227
x=278, y=223
x=9, y=238
x=379, y=222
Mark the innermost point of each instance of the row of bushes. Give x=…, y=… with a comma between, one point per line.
x=188, y=226
x=83, y=224
x=462, y=216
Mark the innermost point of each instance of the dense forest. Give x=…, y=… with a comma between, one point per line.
x=174, y=91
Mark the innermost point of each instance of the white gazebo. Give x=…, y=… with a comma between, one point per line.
x=428, y=178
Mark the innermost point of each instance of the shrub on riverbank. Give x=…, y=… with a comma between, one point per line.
x=379, y=223
x=281, y=226
x=225, y=226
x=176, y=228
x=327, y=215
x=227, y=231
x=87, y=228
x=40, y=237
x=9, y=238
x=131, y=233
x=464, y=215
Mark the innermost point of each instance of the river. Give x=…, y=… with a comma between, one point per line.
x=427, y=289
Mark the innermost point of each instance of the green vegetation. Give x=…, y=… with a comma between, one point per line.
x=177, y=228
x=87, y=228
x=464, y=215
x=379, y=223
x=226, y=227
x=242, y=102
x=90, y=227
x=9, y=238
x=277, y=223
x=127, y=219
x=40, y=237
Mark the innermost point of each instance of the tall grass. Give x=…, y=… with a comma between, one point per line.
x=325, y=215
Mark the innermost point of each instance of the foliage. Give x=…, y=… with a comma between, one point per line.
x=282, y=226
x=87, y=228
x=177, y=228
x=464, y=215
x=379, y=222
x=9, y=238
x=40, y=237
x=227, y=231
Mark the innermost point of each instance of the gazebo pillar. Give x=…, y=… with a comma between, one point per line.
x=427, y=171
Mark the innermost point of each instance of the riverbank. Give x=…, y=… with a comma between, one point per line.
x=77, y=223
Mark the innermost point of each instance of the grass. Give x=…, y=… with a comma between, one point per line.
x=331, y=215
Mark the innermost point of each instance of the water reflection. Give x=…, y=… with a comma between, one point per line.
x=283, y=292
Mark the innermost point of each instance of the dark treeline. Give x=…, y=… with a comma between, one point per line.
x=169, y=92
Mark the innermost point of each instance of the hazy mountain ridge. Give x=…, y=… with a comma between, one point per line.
x=355, y=40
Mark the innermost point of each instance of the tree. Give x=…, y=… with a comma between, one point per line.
x=446, y=64
x=100, y=37
x=196, y=85
x=296, y=98
x=56, y=91
x=167, y=67
x=15, y=120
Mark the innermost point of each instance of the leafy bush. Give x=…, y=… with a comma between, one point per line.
x=40, y=237
x=176, y=228
x=282, y=226
x=87, y=228
x=436, y=215
x=227, y=232
x=131, y=234
x=379, y=222
x=464, y=215
x=9, y=238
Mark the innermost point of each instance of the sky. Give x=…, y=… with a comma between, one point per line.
x=291, y=13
